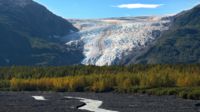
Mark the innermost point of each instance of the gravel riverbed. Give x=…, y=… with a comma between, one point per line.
x=58, y=102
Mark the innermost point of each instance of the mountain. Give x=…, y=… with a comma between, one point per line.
x=31, y=35
x=179, y=44
x=133, y=40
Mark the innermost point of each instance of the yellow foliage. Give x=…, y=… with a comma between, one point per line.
x=154, y=78
x=188, y=80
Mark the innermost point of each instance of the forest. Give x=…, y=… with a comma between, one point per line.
x=180, y=80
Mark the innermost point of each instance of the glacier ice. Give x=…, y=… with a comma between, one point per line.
x=108, y=41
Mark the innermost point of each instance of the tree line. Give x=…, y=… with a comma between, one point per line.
x=181, y=80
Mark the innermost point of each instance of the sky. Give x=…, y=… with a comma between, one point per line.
x=86, y=9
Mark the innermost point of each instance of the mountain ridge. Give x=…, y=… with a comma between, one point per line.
x=30, y=35
x=180, y=44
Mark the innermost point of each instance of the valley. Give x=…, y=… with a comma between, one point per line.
x=119, y=64
x=117, y=60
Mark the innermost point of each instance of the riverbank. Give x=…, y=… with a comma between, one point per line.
x=23, y=102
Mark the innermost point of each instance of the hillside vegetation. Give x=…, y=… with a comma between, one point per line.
x=180, y=44
x=180, y=80
x=30, y=35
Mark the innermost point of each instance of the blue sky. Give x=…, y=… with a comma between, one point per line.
x=116, y=8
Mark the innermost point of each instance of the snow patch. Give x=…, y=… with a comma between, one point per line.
x=91, y=105
x=40, y=98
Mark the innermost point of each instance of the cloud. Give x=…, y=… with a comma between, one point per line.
x=137, y=6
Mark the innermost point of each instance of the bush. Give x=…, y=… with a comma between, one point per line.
x=4, y=84
x=103, y=85
x=77, y=84
x=188, y=80
x=195, y=94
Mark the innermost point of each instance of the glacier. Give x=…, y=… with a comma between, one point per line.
x=107, y=42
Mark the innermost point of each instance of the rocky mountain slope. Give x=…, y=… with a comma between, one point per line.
x=179, y=44
x=30, y=35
